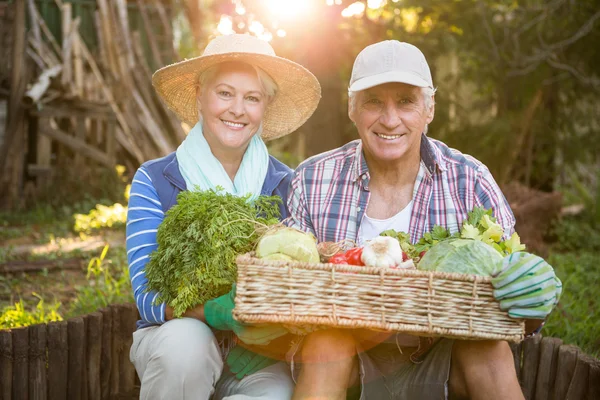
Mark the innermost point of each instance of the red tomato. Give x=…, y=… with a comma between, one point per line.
x=405, y=257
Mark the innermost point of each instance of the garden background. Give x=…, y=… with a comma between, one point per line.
x=518, y=87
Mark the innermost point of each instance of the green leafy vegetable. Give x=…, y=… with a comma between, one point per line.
x=198, y=242
x=466, y=256
x=480, y=225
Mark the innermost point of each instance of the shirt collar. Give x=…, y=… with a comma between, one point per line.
x=430, y=157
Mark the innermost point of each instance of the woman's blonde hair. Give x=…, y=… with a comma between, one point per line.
x=268, y=84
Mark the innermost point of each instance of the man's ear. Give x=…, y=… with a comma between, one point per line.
x=431, y=113
x=351, y=110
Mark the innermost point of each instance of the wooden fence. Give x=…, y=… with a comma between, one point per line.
x=85, y=357
x=88, y=358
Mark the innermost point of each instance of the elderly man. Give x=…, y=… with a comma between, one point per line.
x=395, y=177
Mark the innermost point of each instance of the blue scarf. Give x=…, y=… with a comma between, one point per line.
x=202, y=171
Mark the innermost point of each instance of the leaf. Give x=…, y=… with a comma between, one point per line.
x=468, y=231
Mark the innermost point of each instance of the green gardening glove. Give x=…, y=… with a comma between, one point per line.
x=242, y=362
x=218, y=314
x=526, y=286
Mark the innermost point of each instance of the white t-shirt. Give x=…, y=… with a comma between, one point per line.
x=370, y=228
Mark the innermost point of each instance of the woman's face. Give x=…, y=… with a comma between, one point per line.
x=232, y=105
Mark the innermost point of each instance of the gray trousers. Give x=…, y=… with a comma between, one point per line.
x=181, y=360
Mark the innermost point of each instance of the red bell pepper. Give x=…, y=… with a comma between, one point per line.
x=352, y=257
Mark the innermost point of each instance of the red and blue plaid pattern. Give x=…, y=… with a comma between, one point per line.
x=330, y=192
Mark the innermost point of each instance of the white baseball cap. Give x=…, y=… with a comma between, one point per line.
x=390, y=61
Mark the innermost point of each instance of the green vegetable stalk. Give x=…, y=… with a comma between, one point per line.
x=198, y=242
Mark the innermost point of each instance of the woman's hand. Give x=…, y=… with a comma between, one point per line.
x=195, y=312
x=218, y=314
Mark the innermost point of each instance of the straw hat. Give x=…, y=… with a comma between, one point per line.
x=295, y=101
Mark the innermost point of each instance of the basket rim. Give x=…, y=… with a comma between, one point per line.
x=250, y=258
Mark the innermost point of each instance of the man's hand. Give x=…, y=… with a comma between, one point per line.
x=526, y=286
x=244, y=362
x=218, y=314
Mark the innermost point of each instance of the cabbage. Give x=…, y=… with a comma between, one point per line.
x=299, y=245
x=466, y=256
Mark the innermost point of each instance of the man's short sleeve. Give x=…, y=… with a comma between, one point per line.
x=299, y=216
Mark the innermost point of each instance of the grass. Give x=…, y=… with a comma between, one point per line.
x=576, y=320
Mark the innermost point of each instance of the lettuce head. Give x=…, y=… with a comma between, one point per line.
x=465, y=256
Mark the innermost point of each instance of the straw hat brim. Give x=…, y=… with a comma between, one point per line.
x=296, y=99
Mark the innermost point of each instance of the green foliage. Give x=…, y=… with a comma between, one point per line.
x=107, y=283
x=576, y=320
x=198, y=242
x=17, y=315
x=101, y=217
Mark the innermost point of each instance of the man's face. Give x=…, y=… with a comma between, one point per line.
x=390, y=119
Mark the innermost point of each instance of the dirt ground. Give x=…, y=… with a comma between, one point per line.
x=61, y=266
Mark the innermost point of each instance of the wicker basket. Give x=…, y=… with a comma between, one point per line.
x=410, y=301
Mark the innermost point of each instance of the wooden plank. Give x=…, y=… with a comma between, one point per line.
x=547, y=368
x=58, y=360
x=37, y=362
x=593, y=392
x=75, y=144
x=579, y=383
x=531, y=356
x=76, y=340
x=107, y=37
x=94, y=354
x=126, y=368
x=20, y=386
x=6, y=364
x=565, y=369
x=106, y=356
x=517, y=349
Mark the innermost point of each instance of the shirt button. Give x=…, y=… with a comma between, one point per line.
x=364, y=176
x=357, y=208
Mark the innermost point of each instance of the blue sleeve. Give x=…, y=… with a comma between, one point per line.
x=144, y=215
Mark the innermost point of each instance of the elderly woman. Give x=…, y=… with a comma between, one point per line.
x=237, y=94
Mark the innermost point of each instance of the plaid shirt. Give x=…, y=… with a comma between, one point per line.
x=330, y=192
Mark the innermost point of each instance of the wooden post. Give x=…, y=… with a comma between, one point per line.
x=547, y=368
x=106, y=356
x=579, y=383
x=6, y=364
x=150, y=34
x=76, y=340
x=12, y=149
x=37, y=362
x=58, y=360
x=78, y=66
x=517, y=348
x=94, y=354
x=126, y=368
x=20, y=385
x=66, y=45
x=531, y=356
x=593, y=392
x=565, y=370
x=115, y=350
x=80, y=135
